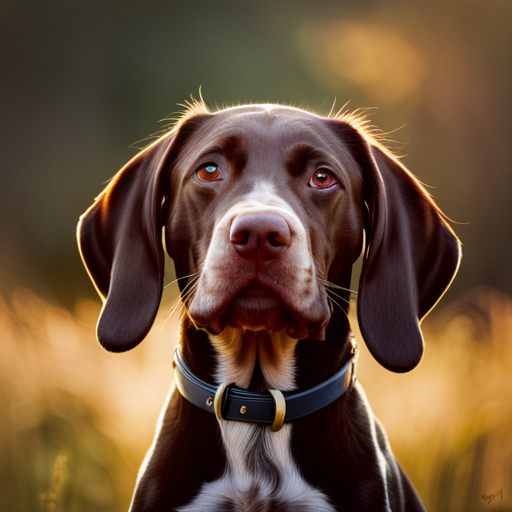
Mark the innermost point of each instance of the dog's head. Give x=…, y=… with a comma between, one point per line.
x=265, y=207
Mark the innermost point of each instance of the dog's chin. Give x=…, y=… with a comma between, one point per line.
x=260, y=310
x=257, y=313
x=257, y=308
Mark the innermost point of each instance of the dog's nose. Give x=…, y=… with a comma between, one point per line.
x=262, y=236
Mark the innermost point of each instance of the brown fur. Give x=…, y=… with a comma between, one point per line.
x=410, y=258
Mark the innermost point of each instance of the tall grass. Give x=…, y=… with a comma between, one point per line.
x=449, y=421
x=75, y=421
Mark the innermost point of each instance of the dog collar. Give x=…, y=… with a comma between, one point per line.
x=232, y=403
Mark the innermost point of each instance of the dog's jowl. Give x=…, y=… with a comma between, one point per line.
x=264, y=210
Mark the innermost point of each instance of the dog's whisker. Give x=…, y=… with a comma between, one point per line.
x=186, y=301
x=333, y=303
x=336, y=295
x=328, y=284
x=191, y=284
x=189, y=289
x=183, y=298
x=174, y=307
x=186, y=298
x=180, y=301
x=167, y=318
x=336, y=287
x=179, y=278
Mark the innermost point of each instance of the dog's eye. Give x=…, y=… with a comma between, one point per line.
x=322, y=179
x=209, y=172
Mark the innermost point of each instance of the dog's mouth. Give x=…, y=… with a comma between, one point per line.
x=258, y=308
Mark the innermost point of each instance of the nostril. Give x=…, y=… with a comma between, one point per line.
x=239, y=237
x=277, y=239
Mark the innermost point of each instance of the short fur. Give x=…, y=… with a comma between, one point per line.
x=263, y=317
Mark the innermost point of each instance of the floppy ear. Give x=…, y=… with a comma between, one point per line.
x=119, y=238
x=410, y=259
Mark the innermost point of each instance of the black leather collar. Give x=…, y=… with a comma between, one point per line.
x=238, y=404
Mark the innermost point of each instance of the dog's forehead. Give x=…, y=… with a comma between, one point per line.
x=265, y=108
x=265, y=140
x=265, y=126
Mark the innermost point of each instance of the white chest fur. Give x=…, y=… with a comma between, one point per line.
x=261, y=474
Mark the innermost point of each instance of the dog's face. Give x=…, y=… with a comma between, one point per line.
x=272, y=200
x=264, y=206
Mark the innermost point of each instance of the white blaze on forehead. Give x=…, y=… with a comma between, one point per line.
x=265, y=189
x=264, y=194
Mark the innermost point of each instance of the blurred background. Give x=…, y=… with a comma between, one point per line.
x=83, y=83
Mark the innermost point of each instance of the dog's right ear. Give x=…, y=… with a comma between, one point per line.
x=120, y=241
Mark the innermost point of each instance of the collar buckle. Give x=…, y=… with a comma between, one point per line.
x=219, y=400
x=280, y=409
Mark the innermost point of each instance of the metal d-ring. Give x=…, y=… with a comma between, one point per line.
x=218, y=401
x=280, y=406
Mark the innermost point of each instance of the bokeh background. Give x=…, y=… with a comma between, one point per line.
x=84, y=84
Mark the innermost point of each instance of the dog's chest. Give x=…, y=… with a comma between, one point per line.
x=261, y=474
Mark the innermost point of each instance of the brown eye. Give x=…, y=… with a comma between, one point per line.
x=322, y=179
x=209, y=172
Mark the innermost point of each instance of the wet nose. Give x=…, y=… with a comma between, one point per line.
x=262, y=236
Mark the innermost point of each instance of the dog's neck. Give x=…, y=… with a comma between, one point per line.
x=260, y=465
x=260, y=360
x=255, y=360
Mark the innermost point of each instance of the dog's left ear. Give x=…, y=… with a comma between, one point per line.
x=411, y=255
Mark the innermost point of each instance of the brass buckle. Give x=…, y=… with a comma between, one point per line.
x=280, y=405
x=218, y=401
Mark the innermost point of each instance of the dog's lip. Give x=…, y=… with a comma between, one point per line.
x=255, y=307
x=255, y=289
x=215, y=320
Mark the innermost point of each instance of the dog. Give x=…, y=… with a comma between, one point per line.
x=264, y=210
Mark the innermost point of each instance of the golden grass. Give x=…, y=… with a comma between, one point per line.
x=75, y=420
x=449, y=421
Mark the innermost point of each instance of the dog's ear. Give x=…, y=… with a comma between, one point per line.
x=120, y=241
x=119, y=238
x=410, y=259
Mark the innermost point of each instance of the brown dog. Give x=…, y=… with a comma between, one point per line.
x=264, y=209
